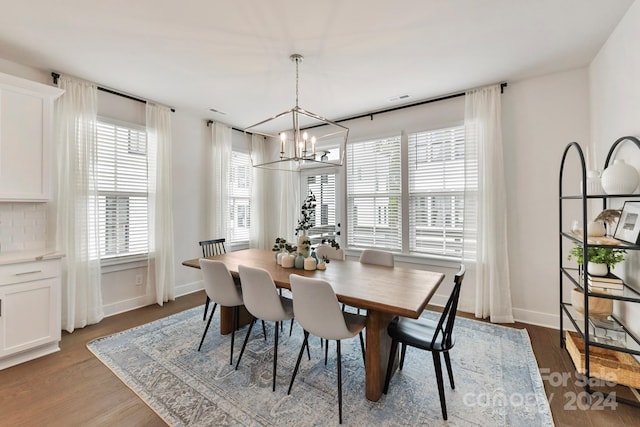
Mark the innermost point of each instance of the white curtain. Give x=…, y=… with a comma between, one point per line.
x=486, y=251
x=76, y=211
x=161, y=257
x=288, y=208
x=219, y=180
x=260, y=235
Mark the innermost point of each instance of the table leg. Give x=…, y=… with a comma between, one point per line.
x=377, y=353
x=226, y=319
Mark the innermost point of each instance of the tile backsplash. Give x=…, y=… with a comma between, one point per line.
x=23, y=226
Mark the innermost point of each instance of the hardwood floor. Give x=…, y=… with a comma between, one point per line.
x=72, y=387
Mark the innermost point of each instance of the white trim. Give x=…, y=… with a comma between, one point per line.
x=128, y=305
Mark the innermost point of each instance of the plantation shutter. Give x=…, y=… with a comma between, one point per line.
x=323, y=187
x=436, y=191
x=374, y=193
x=239, y=198
x=122, y=189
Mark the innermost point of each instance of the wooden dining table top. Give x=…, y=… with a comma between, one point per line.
x=393, y=290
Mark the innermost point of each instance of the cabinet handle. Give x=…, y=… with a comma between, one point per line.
x=28, y=272
x=0, y=308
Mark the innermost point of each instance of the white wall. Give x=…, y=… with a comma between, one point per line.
x=540, y=117
x=614, y=77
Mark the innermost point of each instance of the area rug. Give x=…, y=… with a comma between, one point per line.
x=496, y=377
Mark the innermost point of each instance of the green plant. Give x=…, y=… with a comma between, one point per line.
x=598, y=255
x=331, y=242
x=279, y=245
x=307, y=214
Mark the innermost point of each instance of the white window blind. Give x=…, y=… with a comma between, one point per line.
x=436, y=191
x=122, y=189
x=323, y=187
x=239, y=198
x=374, y=194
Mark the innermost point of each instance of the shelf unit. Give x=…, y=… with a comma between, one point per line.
x=578, y=277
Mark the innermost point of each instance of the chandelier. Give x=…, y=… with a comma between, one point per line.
x=298, y=139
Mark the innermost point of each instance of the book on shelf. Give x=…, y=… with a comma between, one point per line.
x=606, y=285
x=609, y=278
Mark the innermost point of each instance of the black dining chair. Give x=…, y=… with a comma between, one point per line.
x=436, y=337
x=211, y=248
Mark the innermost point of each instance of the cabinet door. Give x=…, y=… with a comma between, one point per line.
x=22, y=154
x=29, y=315
x=26, y=109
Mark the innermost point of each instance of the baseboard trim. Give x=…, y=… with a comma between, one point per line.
x=127, y=305
x=539, y=318
x=189, y=288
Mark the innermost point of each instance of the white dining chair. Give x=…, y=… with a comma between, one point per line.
x=221, y=289
x=318, y=312
x=262, y=300
x=329, y=252
x=377, y=257
x=210, y=248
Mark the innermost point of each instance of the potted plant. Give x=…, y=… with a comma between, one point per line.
x=307, y=214
x=599, y=259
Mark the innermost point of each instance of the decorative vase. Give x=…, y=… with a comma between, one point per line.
x=310, y=263
x=299, y=262
x=321, y=266
x=597, y=269
x=280, y=256
x=303, y=248
x=596, y=229
x=594, y=184
x=620, y=178
x=288, y=261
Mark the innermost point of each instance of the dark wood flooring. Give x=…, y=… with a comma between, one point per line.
x=73, y=388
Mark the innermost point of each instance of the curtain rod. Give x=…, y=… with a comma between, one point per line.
x=56, y=76
x=415, y=104
x=400, y=107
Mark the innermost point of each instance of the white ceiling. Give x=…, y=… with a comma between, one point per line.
x=234, y=55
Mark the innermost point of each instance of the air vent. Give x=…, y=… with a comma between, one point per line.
x=213, y=110
x=399, y=98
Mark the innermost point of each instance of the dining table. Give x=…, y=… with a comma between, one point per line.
x=384, y=292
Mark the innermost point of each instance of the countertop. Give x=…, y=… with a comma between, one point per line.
x=31, y=255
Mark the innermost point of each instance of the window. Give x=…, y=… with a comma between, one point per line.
x=436, y=191
x=239, y=198
x=432, y=191
x=122, y=189
x=323, y=187
x=373, y=194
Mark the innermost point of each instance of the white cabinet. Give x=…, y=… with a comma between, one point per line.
x=26, y=127
x=30, y=322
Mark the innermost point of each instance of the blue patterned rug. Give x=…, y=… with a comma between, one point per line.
x=496, y=375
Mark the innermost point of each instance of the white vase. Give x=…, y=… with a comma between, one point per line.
x=594, y=185
x=620, y=178
x=310, y=263
x=595, y=229
x=304, y=249
x=288, y=261
x=597, y=269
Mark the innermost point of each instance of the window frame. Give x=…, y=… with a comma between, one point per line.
x=232, y=198
x=405, y=255
x=124, y=258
